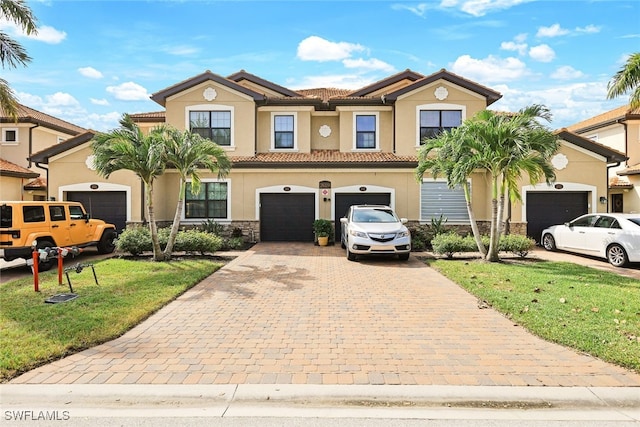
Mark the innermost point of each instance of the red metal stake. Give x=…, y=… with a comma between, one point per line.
x=60, y=266
x=35, y=269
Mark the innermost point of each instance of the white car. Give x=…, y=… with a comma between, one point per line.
x=613, y=236
x=374, y=229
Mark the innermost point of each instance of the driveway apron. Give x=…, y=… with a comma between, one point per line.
x=295, y=313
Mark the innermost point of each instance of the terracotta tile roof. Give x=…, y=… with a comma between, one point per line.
x=37, y=184
x=324, y=93
x=325, y=157
x=154, y=116
x=619, y=182
x=631, y=170
x=604, y=119
x=8, y=168
x=29, y=115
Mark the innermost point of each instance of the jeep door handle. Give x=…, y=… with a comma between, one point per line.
x=73, y=225
x=55, y=226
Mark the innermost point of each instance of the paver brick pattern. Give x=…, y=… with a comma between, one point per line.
x=294, y=313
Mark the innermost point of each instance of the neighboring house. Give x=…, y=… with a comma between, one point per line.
x=618, y=129
x=32, y=132
x=307, y=154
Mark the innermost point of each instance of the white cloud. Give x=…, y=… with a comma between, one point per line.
x=129, y=91
x=369, y=64
x=566, y=72
x=45, y=33
x=542, y=53
x=315, y=48
x=491, y=69
x=419, y=9
x=589, y=29
x=90, y=72
x=181, y=50
x=521, y=48
x=48, y=35
x=103, y=101
x=482, y=7
x=553, y=31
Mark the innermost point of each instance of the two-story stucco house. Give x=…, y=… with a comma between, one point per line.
x=20, y=178
x=618, y=129
x=299, y=155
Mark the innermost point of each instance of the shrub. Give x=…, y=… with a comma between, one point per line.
x=137, y=240
x=237, y=232
x=233, y=243
x=210, y=226
x=517, y=244
x=194, y=241
x=449, y=243
x=134, y=240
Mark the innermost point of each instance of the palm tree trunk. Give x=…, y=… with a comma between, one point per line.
x=176, y=221
x=492, y=255
x=474, y=224
x=153, y=229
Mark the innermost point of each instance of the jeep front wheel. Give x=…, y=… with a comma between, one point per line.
x=107, y=244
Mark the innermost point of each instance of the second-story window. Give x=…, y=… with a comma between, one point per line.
x=283, y=128
x=434, y=122
x=366, y=137
x=9, y=136
x=214, y=125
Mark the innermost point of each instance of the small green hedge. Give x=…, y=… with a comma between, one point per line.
x=137, y=240
x=450, y=243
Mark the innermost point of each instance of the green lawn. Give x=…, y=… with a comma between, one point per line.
x=592, y=311
x=33, y=333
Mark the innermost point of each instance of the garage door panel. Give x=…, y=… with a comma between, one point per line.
x=344, y=200
x=109, y=206
x=287, y=217
x=549, y=208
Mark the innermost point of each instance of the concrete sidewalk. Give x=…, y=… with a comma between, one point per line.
x=302, y=314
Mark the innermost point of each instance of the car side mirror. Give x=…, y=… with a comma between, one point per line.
x=86, y=217
x=568, y=224
x=344, y=220
x=404, y=220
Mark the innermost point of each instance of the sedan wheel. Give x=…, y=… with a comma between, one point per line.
x=350, y=255
x=617, y=256
x=549, y=242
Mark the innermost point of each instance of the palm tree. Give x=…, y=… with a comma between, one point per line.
x=504, y=145
x=12, y=53
x=450, y=155
x=127, y=148
x=627, y=79
x=188, y=153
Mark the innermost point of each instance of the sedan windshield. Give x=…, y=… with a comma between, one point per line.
x=635, y=221
x=374, y=215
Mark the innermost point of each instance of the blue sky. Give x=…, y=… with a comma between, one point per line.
x=92, y=61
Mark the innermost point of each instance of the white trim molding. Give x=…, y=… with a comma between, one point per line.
x=564, y=187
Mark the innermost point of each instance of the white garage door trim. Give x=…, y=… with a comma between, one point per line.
x=102, y=186
x=356, y=189
x=290, y=189
x=566, y=187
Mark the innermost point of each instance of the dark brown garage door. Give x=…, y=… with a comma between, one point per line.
x=287, y=217
x=545, y=209
x=109, y=206
x=344, y=200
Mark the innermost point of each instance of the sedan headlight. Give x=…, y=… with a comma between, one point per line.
x=403, y=234
x=358, y=233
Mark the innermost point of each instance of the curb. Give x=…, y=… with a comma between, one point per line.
x=286, y=400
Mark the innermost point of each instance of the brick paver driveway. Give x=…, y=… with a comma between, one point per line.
x=301, y=314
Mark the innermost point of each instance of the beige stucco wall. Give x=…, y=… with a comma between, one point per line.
x=330, y=142
x=406, y=114
x=243, y=116
x=302, y=122
x=69, y=172
x=585, y=171
x=347, y=131
x=41, y=138
x=11, y=188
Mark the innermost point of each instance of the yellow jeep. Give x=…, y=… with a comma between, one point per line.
x=50, y=224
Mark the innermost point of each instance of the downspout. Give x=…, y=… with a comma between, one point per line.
x=38, y=165
x=31, y=145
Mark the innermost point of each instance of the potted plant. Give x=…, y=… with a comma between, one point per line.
x=323, y=229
